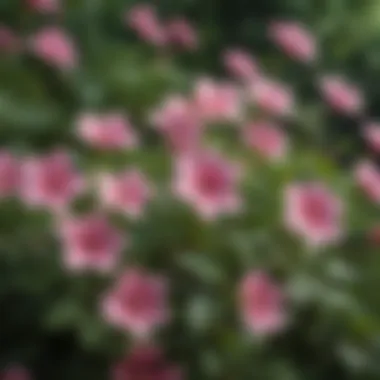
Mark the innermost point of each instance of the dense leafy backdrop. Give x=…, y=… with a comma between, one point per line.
x=49, y=320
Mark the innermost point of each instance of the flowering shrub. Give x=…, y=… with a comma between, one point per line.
x=190, y=234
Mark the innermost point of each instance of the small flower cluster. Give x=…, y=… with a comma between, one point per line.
x=176, y=32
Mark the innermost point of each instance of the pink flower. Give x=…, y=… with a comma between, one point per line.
x=110, y=131
x=90, y=243
x=53, y=46
x=371, y=132
x=178, y=121
x=50, y=181
x=137, y=303
x=15, y=373
x=146, y=363
x=217, y=102
x=128, y=192
x=9, y=174
x=368, y=178
x=180, y=33
x=272, y=97
x=9, y=42
x=294, y=40
x=261, y=304
x=45, y=6
x=208, y=182
x=342, y=96
x=267, y=139
x=313, y=212
x=144, y=21
x=241, y=65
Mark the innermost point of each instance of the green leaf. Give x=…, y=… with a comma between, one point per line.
x=202, y=267
x=201, y=312
x=65, y=313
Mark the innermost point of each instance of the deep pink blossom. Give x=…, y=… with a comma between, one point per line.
x=144, y=21
x=294, y=39
x=341, y=95
x=262, y=304
x=179, y=122
x=209, y=183
x=137, y=303
x=50, y=181
x=180, y=33
x=371, y=132
x=241, y=65
x=110, y=131
x=15, y=373
x=272, y=97
x=90, y=242
x=217, y=101
x=314, y=213
x=267, y=139
x=146, y=363
x=367, y=176
x=53, y=46
x=45, y=6
x=127, y=192
x=9, y=41
x=9, y=174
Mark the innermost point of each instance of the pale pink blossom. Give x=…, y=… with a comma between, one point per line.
x=90, y=242
x=15, y=372
x=127, y=192
x=341, y=95
x=180, y=33
x=294, y=39
x=110, y=131
x=144, y=21
x=217, y=101
x=50, y=181
x=314, y=212
x=209, y=183
x=9, y=41
x=45, y=6
x=9, y=174
x=367, y=176
x=272, y=97
x=267, y=139
x=178, y=121
x=262, y=304
x=137, y=303
x=146, y=363
x=241, y=65
x=53, y=46
x=371, y=132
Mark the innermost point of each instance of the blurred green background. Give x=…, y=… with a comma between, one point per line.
x=44, y=322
